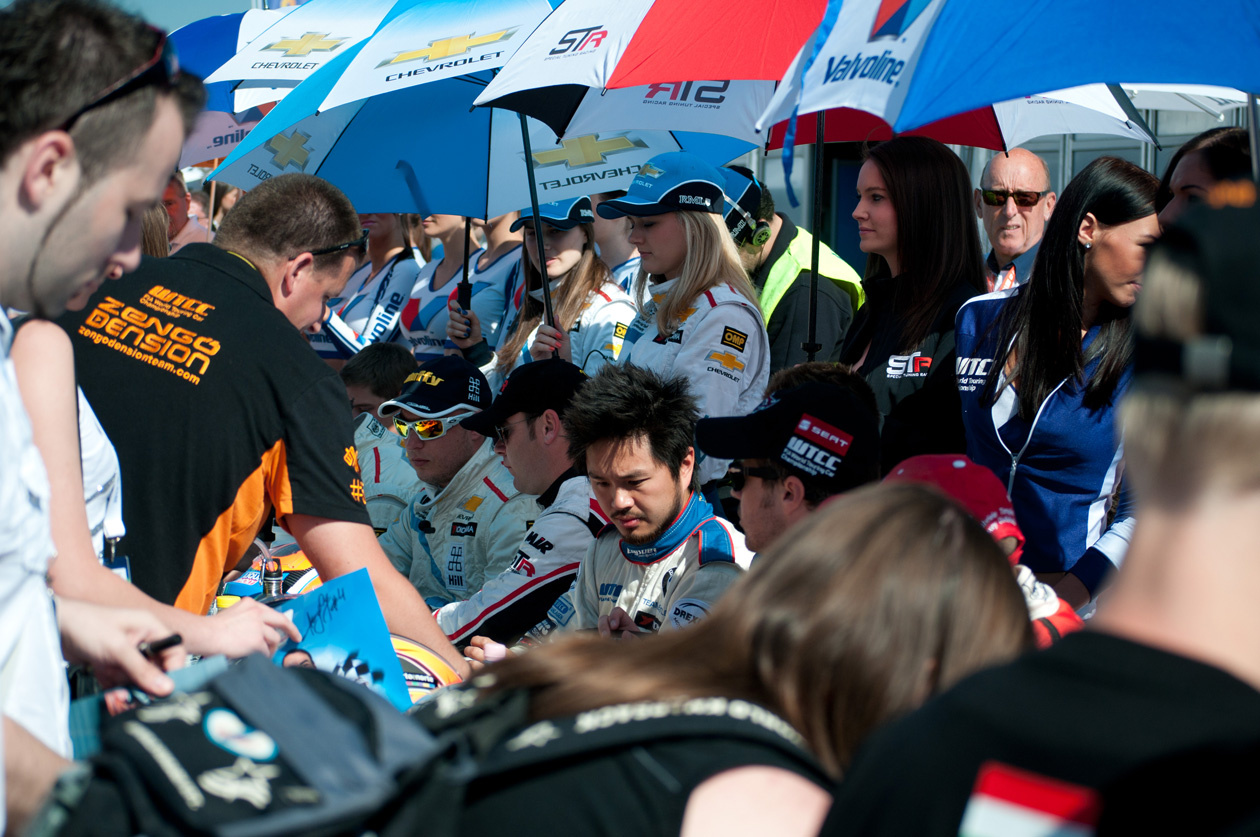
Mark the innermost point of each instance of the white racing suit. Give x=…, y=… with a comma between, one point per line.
x=452, y=540
x=720, y=347
x=513, y=601
x=596, y=337
x=668, y=583
x=389, y=481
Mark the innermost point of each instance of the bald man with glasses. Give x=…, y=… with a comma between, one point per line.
x=1013, y=203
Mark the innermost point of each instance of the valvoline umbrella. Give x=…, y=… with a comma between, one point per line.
x=203, y=46
x=914, y=62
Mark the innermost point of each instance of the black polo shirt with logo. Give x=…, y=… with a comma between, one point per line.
x=219, y=410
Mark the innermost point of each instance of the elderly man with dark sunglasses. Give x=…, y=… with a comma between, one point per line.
x=465, y=523
x=1013, y=203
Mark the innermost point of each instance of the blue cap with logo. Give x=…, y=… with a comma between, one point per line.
x=671, y=182
x=440, y=388
x=564, y=215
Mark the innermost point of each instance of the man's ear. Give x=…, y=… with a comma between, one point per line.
x=552, y=427
x=50, y=170
x=297, y=271
x=975, y=199
x=792, y=493
x=1049, y=202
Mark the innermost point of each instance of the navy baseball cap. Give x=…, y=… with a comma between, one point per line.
x=820, y=431
x=441, y=388
x=743, y=199
x=564, y=215
x=533, y=387
x=671, y=182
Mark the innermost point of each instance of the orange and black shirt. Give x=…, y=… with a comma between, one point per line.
x=219, y=411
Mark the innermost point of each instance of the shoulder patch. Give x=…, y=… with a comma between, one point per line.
x=686, y=611
x=735, y=339
x=620, y=330
x=716, y=545
x=472, y=504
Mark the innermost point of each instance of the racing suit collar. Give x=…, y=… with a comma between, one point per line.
x=694, y=513
x=549, y=496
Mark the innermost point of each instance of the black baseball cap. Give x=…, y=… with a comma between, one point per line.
x=440, y=388
x=533, y=387
x=671, y=182
x=1222, y=247
x=743, y=199
x=564, y=215
x=822, y=432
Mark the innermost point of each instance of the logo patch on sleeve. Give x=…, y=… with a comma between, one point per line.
x=620, y=331
x=735, y=339
x=687, y=611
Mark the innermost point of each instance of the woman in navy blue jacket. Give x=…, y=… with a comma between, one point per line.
x=1042, y=367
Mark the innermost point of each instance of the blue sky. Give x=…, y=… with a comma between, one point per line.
x=172, y=14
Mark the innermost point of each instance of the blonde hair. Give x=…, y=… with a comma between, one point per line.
x=588, y=275
x=711, y=260
x=1180, y=444
x=879, y=600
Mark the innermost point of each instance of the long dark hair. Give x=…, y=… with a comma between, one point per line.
x=1226, y=152
x=1044, y=321
x=877, y=601
x=938, y=243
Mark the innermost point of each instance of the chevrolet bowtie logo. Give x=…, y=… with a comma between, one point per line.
x=308, y=43
x=589, y=150
x=649, y=170
x=290, y=149
x=449, y=47
x=727, y=360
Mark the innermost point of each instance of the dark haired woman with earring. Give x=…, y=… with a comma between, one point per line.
x=1041, y=368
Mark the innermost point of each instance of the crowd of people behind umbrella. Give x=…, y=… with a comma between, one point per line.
x=603, y=476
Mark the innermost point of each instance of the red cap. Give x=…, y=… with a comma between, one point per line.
x=972, y=485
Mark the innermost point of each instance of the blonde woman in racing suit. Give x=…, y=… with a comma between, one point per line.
x=698, y=313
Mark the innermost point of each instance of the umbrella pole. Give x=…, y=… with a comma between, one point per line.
x=538, y=233
x=811, y=346
x=463, y=291
x=1253, y=128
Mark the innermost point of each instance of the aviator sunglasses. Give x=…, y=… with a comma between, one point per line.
x=994, y=197
x=161, y=69
x=737, y=472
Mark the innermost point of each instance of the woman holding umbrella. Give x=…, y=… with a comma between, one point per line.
x=1042, y=367
x=698, y=313
x=917, y=225
x=593, y=311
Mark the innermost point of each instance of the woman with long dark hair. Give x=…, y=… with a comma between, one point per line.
x=1042, y=366
x=918, y=227
x=1205, y=160
x=886, y=597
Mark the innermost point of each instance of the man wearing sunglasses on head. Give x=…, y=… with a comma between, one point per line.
x=466, y=522
x=221, y=412
x=92, y=118
x=1013, y=203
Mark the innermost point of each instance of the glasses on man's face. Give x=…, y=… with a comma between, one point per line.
x=360, y=242
x=997, y=197
x=738, y=472
x=162, y=69
x=504, y=432
x=426, y=429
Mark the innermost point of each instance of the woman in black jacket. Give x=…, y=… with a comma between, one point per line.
x=917, y=224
